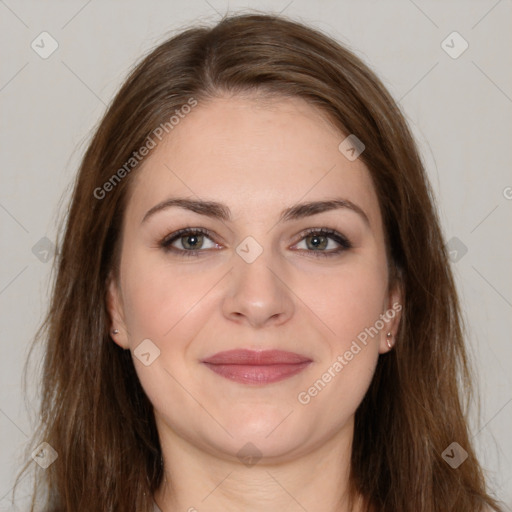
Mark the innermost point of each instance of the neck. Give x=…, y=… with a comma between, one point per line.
x=198, y=480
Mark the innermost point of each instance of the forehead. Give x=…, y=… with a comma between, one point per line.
x=253, y=155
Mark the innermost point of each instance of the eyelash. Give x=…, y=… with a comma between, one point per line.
x=345, y=244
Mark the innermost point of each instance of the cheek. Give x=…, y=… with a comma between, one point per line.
x=159, y=297
x=347, y=300
x=350, y=305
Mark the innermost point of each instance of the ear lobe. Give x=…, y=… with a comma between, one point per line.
x=392, y=314
x=115, y=310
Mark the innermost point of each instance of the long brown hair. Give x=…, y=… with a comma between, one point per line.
x=94, y=412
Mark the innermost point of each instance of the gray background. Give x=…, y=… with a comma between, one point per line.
x=459, y=109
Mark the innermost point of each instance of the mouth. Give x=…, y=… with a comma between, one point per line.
x=256, y=367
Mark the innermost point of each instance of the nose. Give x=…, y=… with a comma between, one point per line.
x=257, y=293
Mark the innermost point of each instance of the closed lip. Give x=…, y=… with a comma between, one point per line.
x=256, y=357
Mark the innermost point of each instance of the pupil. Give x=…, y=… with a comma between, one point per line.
x=192, y=237
x=316, y=241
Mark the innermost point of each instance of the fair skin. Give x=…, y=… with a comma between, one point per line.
x=257, y=159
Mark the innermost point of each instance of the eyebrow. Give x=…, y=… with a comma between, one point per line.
x=221, y=211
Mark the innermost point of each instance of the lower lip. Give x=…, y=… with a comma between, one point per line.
x=257, y=374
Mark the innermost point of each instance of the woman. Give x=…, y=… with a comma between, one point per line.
x=253, y=308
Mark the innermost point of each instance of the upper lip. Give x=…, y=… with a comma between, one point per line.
x=257, y=358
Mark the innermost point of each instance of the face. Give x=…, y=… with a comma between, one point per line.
x=313, y=283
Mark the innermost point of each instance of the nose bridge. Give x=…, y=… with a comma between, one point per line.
x=256, y=288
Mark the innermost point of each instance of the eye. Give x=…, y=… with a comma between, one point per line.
x=320, y=240
x=191, y=239
x=192, y=242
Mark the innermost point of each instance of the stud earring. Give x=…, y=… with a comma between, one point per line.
x=115, y=331
x=388, y=340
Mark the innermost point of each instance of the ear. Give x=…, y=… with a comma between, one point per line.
x=391, y=317
x=115, y=310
